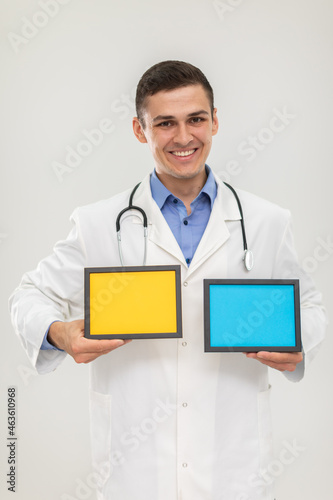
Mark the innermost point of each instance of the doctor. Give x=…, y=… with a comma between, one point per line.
x=168, y=421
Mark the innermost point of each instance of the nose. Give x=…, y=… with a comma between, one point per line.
x=182, y=135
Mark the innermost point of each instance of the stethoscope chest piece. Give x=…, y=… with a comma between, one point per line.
x=248, y=260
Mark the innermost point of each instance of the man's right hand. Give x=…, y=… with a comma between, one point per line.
x=69, y=336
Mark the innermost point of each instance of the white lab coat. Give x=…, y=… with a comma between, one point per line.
x=169, y=421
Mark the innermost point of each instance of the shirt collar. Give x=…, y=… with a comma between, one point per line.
x=160, y=193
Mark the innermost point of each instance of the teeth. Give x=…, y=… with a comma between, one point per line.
x=183, y=153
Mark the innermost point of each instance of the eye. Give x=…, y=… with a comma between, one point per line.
x=165, y=124
x=197, y=119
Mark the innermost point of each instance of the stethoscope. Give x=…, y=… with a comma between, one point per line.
x=248, y=255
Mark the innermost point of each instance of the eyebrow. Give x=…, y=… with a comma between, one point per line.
x=170, y=117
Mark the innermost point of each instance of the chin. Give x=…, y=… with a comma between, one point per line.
x=187, y=175
x=183, y=172
x=184, y=175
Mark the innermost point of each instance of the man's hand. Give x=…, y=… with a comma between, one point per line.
x=70, y=338
x=282, y=361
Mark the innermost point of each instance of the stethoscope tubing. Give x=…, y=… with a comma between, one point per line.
x=248, y=255
x=145, y=226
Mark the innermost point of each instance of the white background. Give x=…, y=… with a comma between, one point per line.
x=82, y=66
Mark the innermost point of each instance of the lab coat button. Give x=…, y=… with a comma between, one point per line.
x=184, y=344
x=185, y=283
x=184, y=404
x=184, y=465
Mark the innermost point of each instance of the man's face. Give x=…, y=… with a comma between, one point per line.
x=178, y=129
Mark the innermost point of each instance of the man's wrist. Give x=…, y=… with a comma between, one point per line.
x=55, y=334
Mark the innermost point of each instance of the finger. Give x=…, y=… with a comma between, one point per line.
x=86, y=357
x=101, y=346
x=81, y=344
x=290, y=366
x=276, y=357
x=280, y=357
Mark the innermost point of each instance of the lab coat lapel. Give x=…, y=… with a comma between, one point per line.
x=216, y=234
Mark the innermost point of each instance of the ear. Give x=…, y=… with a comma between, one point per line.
x=138, y=130
x=215, y=125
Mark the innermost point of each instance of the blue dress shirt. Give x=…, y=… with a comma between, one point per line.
x=187, y=229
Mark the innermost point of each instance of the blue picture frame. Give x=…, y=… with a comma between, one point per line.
x=252, y=315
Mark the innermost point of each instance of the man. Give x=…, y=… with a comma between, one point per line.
x=168, y=420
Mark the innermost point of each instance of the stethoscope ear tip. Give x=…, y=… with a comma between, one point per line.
x=248, y=260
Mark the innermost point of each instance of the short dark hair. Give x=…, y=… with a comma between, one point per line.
x=169, y=75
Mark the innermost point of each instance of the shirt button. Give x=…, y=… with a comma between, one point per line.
x=188, y=261
x=185, y=283
x=175, y=200
x=184, y=344
x=185, y=222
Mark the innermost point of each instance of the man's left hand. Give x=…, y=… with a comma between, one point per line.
x=282, y=361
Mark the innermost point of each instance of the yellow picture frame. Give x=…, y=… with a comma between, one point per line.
x=132, y=302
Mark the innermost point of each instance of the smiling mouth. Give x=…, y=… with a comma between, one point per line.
x=183, y=153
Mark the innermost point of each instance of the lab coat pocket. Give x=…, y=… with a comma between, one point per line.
x=100, y=430
x=265, y=429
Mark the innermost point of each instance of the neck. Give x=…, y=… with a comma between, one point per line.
x=185, y=189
